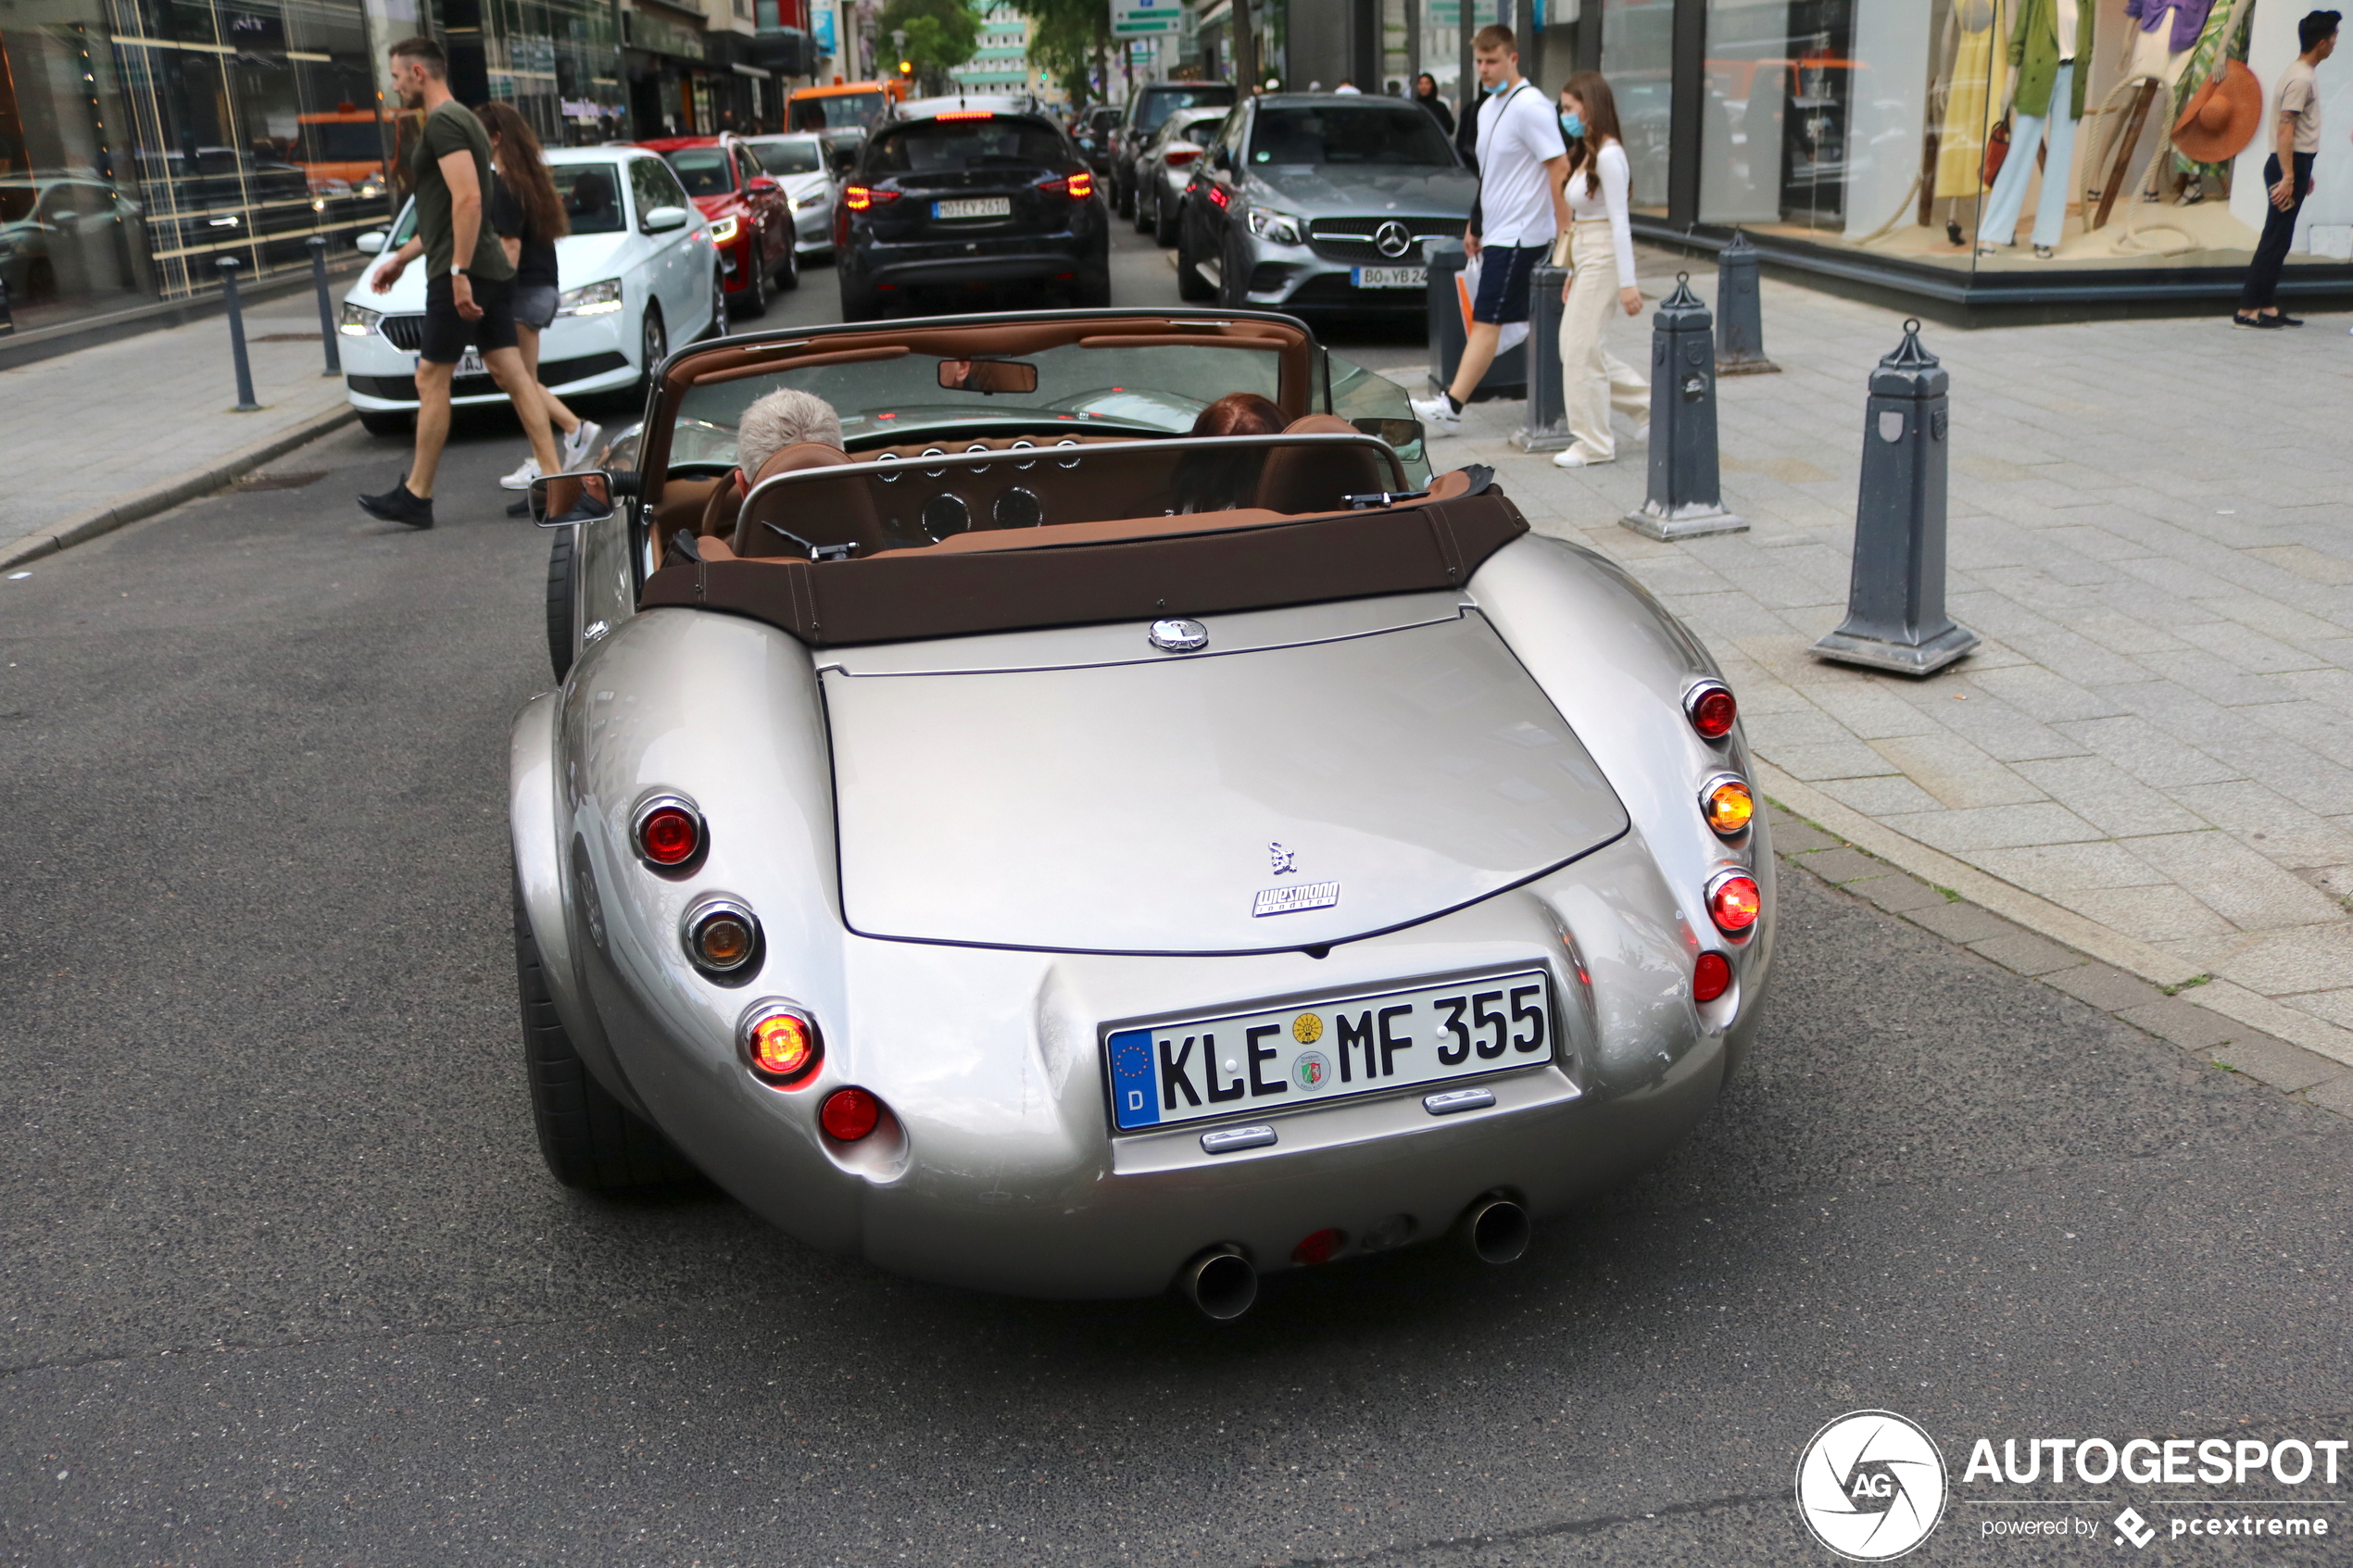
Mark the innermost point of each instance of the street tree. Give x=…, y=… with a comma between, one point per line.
x=941, y=36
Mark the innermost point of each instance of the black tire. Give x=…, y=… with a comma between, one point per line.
x=754, y=299
x=590, y=1140
x=385, y=421
x=858, y=303
x=653, y=343
x=1144, y=215
x=1093, y=289
x=1233, y=280
x=1190, y=285
x=722, y=319
x=1163, y=226
x=560, y=601
x=1124, y=193
x=790, y=277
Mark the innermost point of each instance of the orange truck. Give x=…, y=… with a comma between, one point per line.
x=845, y=106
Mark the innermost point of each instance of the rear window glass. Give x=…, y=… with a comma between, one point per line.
x=703, y=170
x=591, y=193
x=1372, y=134
x=1160, y=103
x=835, y=112
x=787, y=157
x=958, y=145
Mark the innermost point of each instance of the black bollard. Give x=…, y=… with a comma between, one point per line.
x=1547, y=427
x=1740, y=311
x=1895, y=616
x=326, y=308
x=1686, y=495
x=245, y=404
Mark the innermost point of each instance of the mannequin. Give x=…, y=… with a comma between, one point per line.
x=1975, y=84
x=2050, y=50
x=2160, y=47
x=2205, y=58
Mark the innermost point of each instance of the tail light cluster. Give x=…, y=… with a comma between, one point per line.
x=1180, y=157
x=1217, y=195
x=849, y=1115
x=667, y=830
x=1734, y=903
x=1077, y=187
x=781, y=1044
x=857, y=198
x=1711, y=709
x=1711, y=977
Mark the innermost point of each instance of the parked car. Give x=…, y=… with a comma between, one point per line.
x=1151, y=105
x=637, y=272
x=1041, y=852
x=1097, y=134
x=803, y=165
x=1165, y=170
x=60, y=229
x=969, y=200
x=752, y=219
x=1320, y=202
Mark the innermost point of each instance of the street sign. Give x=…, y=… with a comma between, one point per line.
x=1131, y=18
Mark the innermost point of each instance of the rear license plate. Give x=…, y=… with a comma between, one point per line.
x=470, y=363
x=1390, y=277
x=1251, y=1063
x=977, y=206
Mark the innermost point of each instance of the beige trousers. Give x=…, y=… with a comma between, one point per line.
x=1593, y=381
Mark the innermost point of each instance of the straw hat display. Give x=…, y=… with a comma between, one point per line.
x=2221, y=118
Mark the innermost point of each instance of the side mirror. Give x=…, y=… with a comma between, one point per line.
x=760, y=184
x=372, y=242
x=558, y=500
x=1397, y=433
x=661, y=220
x=1222, y=156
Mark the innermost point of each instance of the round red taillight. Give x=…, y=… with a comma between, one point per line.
x=1733, y=903
x=849, y=1114
x=780, y=1044
x=1711, y=710
x=1711, y=977
x=668, y=833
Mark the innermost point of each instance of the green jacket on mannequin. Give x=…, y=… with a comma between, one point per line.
x=2035, y=55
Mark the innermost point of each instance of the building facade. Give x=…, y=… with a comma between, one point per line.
x=1000, y=55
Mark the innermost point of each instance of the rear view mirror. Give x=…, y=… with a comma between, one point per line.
x=987, y=375
x=558, y=500
x=1397, y=433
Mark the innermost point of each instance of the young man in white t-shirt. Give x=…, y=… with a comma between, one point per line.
x=1521, y=163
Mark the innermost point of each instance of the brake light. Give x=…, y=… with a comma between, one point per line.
x=966, y=114
x=1182, y=157
x=667, y=830
x=1711, y=710
x=849, y=1114
x=780, y=1044
x=1711, y=977
x=1218, y=194
x=1733, y=903
x=857, y=198
x=1077, y=187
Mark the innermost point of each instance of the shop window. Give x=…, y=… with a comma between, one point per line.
x=1638, y=49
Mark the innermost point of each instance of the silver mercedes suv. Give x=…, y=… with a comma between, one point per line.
x=1320, y=202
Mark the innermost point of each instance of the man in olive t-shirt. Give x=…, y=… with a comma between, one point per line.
x=469, y=281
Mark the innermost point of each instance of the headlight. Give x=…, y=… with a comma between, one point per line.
x=590, y=299
x=723, y=231
x=1280, y=227
x=357, y=321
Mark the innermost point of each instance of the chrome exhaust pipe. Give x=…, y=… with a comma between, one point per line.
x=1497, y=1230
x=1220, y=1284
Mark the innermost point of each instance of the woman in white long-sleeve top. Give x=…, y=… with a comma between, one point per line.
x=1600, y=252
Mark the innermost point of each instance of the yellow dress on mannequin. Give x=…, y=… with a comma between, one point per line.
x=1979, y=73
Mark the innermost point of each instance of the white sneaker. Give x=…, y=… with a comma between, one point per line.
x=1437, y=415
x=521, y=479
x=1578, y=457
x=580, y=443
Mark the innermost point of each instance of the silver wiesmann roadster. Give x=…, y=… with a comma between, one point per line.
x=1032, y=847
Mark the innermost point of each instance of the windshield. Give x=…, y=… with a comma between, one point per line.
x=938, y=147
x=703, y=170
x=1195, y=128
x=1160, y=103
x=788, y=158
x=1158, y=389
x=836, y=111
x=1390, y=136
x=591, y=193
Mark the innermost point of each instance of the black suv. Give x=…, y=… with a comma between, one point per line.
x=966, y=200
x=1151, y=108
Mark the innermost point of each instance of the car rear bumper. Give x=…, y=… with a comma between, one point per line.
x=952, y=263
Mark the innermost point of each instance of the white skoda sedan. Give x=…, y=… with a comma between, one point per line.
x=639, y=273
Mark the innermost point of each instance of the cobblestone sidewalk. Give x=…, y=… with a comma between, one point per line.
x=128, y=428
x=2150, y=757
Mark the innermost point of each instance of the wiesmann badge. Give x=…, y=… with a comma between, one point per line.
x=1293, y=898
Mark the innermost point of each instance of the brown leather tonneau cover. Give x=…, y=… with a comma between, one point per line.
x=907, y=595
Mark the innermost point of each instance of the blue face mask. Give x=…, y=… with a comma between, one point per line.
x=1498, y=87
x=1572, y=123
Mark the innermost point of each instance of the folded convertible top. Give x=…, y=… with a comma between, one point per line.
x=1263, y=562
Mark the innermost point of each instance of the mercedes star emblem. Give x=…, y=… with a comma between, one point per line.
x=1178, y=634
x=1393, y=239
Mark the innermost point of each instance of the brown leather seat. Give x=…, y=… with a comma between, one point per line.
x=1301, y=480
x=840, y=513
x=719, y=512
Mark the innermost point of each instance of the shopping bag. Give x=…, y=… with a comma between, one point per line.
x=1466, y=290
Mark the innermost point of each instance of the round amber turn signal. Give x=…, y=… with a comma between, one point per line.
x=1727, y=805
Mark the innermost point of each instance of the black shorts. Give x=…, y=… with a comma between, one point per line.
x=1504, y=273
x=446, y=332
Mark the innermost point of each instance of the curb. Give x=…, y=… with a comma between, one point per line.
x=162, y=497
x=2208, y=1035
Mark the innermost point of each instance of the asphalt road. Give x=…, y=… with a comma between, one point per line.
x=282, y=1279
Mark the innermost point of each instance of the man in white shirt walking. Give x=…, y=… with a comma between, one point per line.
x=1521, y=160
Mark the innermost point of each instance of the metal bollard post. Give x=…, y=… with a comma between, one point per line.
x=1547, y=427
x=1686, y=496
x=326, y=309
x=1895, y=616
x=1740, y=311
x=245, y=404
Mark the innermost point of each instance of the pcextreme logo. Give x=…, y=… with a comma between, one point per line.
x=1870, y=1485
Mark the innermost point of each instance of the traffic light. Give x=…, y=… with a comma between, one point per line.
x=906, y=68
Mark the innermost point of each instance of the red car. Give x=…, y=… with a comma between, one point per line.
x=751, y=222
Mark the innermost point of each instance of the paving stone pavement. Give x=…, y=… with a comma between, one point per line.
x=86, y=430
x=2149, y=758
